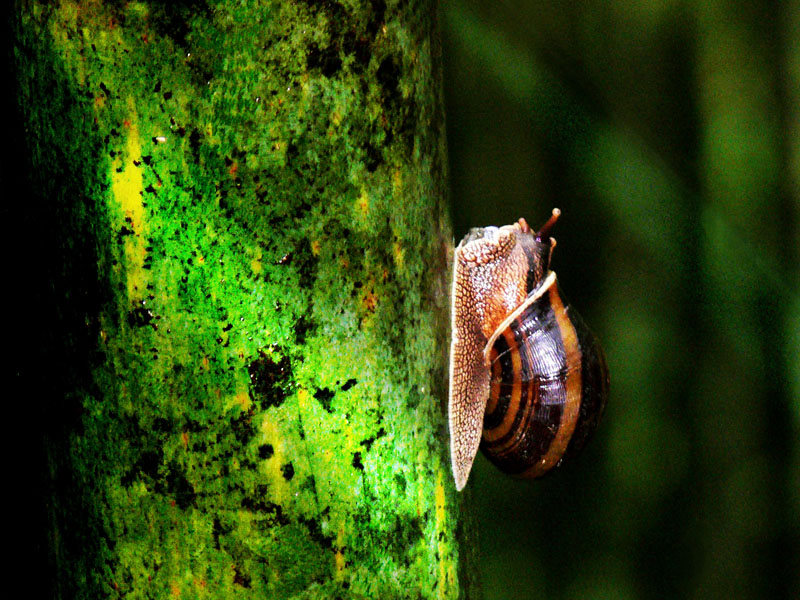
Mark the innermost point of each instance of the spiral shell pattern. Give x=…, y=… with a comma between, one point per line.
x=547, y=391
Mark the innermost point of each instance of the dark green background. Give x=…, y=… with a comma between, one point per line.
x=667, y=132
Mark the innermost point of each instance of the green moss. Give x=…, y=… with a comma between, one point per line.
x=257, y=191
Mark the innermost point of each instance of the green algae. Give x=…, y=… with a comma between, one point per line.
x=256, y=193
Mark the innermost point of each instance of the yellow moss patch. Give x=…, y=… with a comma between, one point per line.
x=362, y=203
x=339, y=562
x=241, y=398
x=439, y=503
x=126, y=194
x=447, y=575
x=271, y=467
x=399, y=254
x=397, y=182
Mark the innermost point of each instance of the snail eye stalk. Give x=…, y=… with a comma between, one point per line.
x=544, y=232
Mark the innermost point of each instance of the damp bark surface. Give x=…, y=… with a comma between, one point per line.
x=243, y=299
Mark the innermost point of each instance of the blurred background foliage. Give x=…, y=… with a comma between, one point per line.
x=668, y=133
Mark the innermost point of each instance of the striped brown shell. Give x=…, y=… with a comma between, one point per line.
x=528, y=380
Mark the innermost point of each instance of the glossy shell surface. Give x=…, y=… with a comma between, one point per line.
x=528, y=380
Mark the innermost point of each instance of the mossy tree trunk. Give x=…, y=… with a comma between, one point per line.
x=244, y=314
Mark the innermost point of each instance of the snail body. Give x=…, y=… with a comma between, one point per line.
x=528, y=380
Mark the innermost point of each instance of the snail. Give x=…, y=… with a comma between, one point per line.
x=528, y=380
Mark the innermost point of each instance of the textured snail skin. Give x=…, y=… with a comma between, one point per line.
x=528, y=380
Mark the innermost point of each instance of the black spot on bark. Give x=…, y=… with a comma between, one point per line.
x=247, y=464
x=301, y=328
x=179, y=487
x=377, y=17
x=360, y=48
x=240, y=578
x=367, y=442
x=124, y=231
x=374, y=157
x=148, y=463
x=270, y=381
x=402, y=114
x=270, y=509
x=327, y=60
x=191, y=425
x=388, y=75
x=162, y=425
x=315, y=532
x=194, y=144
x=265, y=451
x=242, y=428
x=217, y=531
x=171, y=19
x=357, y=464
x=140, y=316
x=288, y=471
x=348, y=384
x=325, y=395
x=306, y=263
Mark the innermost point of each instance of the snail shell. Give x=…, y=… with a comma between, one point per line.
x=528, y=380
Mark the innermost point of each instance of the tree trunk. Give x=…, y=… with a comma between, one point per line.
x=243, y=310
